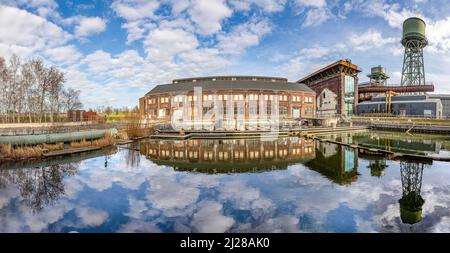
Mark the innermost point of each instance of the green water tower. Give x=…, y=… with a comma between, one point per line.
x=413, y=29
x=414, y=40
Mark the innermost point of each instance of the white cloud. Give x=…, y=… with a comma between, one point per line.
x=312, y=3
x=280, y=224
x=243, y=36
x=393, y=13
x=102, y=63
x=209, y=219
x=91, y=216
x=164, y=44
x=309, y=59
x=316, y=16
x=438, y=34
x=64, y=55
x=208, y=15
x=179, y=6
x=135, y=30
x=89, y=26
x=266, y=5
x=139, y=226
x=135, y=9
x=370, y=39
x=167, y=194
x=27, y=33
x=315, y=52
x=44, y=8
x=316, y=12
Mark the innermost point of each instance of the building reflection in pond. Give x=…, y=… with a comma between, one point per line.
x=224, y=156
x=395, y=142
x=338, y=163
x=411, y=202
x=377, y=164
x=377, y=167
x=40, y=186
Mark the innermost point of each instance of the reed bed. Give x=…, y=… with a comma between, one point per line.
x=8, y=151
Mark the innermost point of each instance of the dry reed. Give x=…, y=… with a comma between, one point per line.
x=107, y=140
x=8, y=151
x=53, y=147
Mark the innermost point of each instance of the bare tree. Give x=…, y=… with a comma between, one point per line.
x=32, y=91
x=29, y=85
x=3, y=94
x=109, y=110
x=71, y=99
x=55, y=81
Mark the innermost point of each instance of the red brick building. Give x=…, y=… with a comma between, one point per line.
x=336, y=87
x=81, y=115
x=239, y=99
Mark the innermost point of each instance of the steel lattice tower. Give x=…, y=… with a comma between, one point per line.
x=411, y=202
x=414, y=40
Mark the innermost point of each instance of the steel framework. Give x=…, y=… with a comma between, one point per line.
x=413, y=72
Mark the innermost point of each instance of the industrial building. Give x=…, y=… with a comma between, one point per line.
x=445, y=100
x=237, y=102
x=410, y=97
x=404, y=106
x=329, y=94
x=336, y=87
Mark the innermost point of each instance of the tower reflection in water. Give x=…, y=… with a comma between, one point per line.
x=411, y=202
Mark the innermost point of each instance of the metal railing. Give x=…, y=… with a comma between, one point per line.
x=407, y=116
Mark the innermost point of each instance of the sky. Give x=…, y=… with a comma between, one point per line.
x=116, y=51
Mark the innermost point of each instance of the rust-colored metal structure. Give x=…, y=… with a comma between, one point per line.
x=366, y=93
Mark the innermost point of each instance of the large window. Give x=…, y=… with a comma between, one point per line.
x=349, y=159
x=308, y=111
x=283, y=110
x=349, y=91
x=296, y=112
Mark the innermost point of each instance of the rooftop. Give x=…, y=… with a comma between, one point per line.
x=341, y=63
x=229, y=85
x=231, y=78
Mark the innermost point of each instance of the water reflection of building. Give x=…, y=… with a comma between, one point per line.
x=398, y=142
x=212, y=156
x=338, y=163
x=377, y=167
x=377, y=163
x=411, y=202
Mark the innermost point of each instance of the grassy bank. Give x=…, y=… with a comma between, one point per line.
x=425, y=121
x=8, y=151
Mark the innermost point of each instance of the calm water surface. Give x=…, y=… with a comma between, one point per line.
x=422, y=144
x=286, y=185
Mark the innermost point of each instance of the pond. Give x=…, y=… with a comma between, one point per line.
x=284, y=185
x=421, y=144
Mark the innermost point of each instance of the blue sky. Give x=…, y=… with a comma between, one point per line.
x=116, y=51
